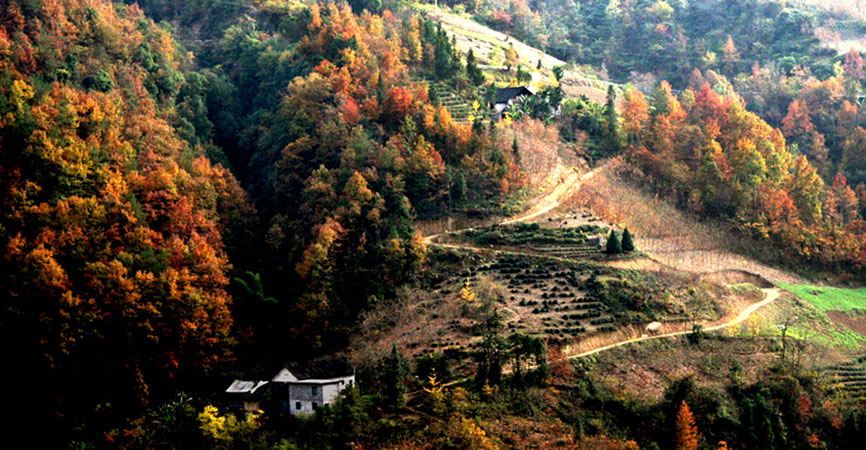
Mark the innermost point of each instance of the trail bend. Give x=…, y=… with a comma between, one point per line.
x=551, y=201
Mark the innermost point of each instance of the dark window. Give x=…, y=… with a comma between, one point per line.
x=315, y=406
x=315, y=390
x=297, y=405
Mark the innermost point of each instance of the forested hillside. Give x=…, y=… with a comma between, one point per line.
x=196, y=194
x=123, y=224
x=114, y=222
x=720, y=160
x=665, y=38
x=761, y=56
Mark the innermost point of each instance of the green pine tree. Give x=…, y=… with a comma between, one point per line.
x=380, y=90
x=614, y=247
x=515, y=149
x=395, y=383
x=612, y=135
x=627, y=242
x=476, y=77
x=433, y=96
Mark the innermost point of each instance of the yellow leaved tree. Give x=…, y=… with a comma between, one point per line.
x=467, y=294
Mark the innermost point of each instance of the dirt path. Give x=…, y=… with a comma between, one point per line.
x=548, y=203
x=552, y=200
x=770, y=295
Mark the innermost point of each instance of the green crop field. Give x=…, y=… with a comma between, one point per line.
x=829, y=298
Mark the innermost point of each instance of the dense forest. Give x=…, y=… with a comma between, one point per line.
x=668, y=39
x=124, y=221
x=730, y=163
x=196, y=191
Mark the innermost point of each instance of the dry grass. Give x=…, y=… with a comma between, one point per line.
x=853, y=8
x=668, y=235
x=644, y=372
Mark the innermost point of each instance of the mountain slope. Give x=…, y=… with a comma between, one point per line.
x=490, y=46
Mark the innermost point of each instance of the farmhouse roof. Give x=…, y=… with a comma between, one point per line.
x=245, y=387
x=320, y=369
x=503, y=95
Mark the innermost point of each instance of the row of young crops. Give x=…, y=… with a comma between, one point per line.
x=560, y=299
x=849, y=376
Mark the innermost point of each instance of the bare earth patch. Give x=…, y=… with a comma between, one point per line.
x=736, y=277
x=854, y=320
x=646, y=264
x=662, y=231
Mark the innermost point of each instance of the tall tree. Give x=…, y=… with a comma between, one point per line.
x=511, y=58
x=635, y=112
x=612, y=137
x=627, y=242
x=476, y=77
x=395, y=379
x=614, y=247
x=687, y=432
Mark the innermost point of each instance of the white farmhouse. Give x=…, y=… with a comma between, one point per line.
x=505, y=97
x=312, y=384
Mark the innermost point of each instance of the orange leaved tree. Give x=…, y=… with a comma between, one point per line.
x=687, y=432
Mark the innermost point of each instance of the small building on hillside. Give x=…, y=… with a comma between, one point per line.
x=505, y=97
x=305, y=386
x=246, y=396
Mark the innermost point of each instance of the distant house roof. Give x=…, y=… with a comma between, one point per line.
x=245, y=387
x=505, y=94
x=311, y=371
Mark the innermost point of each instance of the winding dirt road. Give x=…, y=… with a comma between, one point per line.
x=544, y=205
x=770, y=295
x=551, y=201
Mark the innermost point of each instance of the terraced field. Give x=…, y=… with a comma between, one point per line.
x=486, y=42
x=457, y=106
x=533, y=296
x=460, y=108
x=570, y=242
x=550, y=299
x=849, y=377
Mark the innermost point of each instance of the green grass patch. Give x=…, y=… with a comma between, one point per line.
x=845, y=338
x=533, y=234
x=829, y=298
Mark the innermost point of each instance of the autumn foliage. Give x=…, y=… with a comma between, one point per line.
x=687, y=433
x=715, y=158
x=114, y=268
x=133, y=262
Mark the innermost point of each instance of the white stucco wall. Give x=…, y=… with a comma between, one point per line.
x=300, y=394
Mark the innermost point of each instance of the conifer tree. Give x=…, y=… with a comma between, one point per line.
x=476, y=77
x=611, y=125
x=687, y=432
x=380, y=90
x=627, y=242
x=515, y=149
x=466, y=293
x=395, y=373
x=433, y=96
x=614, y=247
